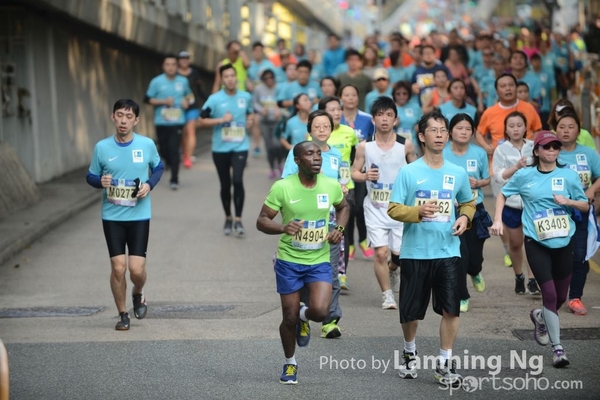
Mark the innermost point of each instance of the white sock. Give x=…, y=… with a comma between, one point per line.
x=291, y=360
x=303, y=310
x=410, y=347
x=445, y=355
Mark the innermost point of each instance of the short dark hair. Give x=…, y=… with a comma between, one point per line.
x=257, y=44
x=315, y=114
x=435, y=115
x=169, y=55
x=402, y=85
x=569, y=114
x=333, y=35
x=347, y=85
x=520, y=52
x=304, y=64
x=231, y=43
x=458, y=118
x=333, y=80
x=127, y=104
x=535, y=56
x=504, y=75
x=383, y=103
x=299, y=147
x=328, y=99
x=350, y=53
x=224, y=68
x=521, y=83
x=394, y=56
x=427, y=46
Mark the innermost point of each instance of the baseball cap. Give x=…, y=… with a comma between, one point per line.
x=183, y=54
x=544, y=137
x=380, y=73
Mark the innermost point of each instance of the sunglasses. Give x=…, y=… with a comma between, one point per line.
x=553, y=145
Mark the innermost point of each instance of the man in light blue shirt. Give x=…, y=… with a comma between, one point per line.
x=302, y=85
x=258, y=64
x=334, y=56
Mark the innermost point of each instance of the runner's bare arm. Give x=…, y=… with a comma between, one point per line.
x=265, y=223
x=409, y=151
x=359, y=163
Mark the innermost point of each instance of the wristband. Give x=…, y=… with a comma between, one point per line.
x=340, y=228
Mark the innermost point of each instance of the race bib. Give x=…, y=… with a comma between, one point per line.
x=443, y=199
x=233, y=132
x=171, y=114
x=585, y=175
x=120, y=192
x=311, y=236
x=344, y=173
x=380, y=194
x=551, y=223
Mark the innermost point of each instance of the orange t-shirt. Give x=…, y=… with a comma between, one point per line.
x=492, y=120
x=407, y=61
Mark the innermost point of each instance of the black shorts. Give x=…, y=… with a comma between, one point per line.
x=134, y=234
x=421, y=278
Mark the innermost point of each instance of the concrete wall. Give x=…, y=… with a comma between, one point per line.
x=73, y=75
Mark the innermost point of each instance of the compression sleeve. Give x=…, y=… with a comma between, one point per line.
x=156, y=175
x=403, y=213
x=93, y=180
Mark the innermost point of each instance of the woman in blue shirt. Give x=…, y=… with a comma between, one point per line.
x=295, y=126
x=550, y=194
x=409, y=112
x=457, y=103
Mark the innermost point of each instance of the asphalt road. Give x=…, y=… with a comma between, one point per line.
x=212, y=329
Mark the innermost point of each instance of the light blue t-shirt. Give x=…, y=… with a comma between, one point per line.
x=293, y=89
x=125, y=162
x=295, y=130
x=535, y=85
x=448, y=110
x=230, y=136
x=490, y=96
x=549, y=63
x=398, y=74
x=474, y=161
x=547, y=84
x=418, y=183
x=161, y=87
x=409, y=115
x=373, y=95
x=543, y=220
x=255, y=69
x=317, y=72
x=584, y=161
x=475, y=59
x=280, y=76
x=561, y=54
x=330, y=167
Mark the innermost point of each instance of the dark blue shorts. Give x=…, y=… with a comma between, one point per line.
x=192, y=114
x=291, y=277
x=512, y=217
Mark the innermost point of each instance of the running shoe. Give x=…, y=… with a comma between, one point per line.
x=408, y=368
x=227, y=227
x=478, y=282
x=388, y=301
x=123, y=324
x=174, y=186
x=187, y=162
x=331, y=330
x=540, y=333
x=532, y=287
x=256, y=152
x=577, y=307
x=351, y=252
x=368, y=252
x=343, y=282
x=559, y=358
x=289, y=376
x=447, y=375
x=520, y=285
x=395, y=280
x=464, y=305
x=140, y=307
x=302, y=331
x=507, y=261
x=238, y=227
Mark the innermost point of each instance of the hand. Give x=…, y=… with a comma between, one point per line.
x=227, y=117
x=105, y=180
x=561, y=200
x=480, y=107
x=249, y=121
x=428, y=209
x=522, y=163
x=293, y=227
x=473, y=183
x=185, y=104
x=416, y=89
x=460, y=225
x=489, y=150
x=144, y=190
x=373, y=174
x=345, y=190
x=497, y=228
x=334, y=236
x=590, y=195
x=169, y=101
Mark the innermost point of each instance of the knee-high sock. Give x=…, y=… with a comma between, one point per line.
x=552, y=325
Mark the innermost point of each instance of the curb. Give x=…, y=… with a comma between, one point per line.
x=40, y=229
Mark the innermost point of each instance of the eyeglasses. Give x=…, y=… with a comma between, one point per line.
x=322, y=127
x=436, y=130
x=553, y=145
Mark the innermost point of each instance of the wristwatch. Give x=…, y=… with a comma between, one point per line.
x=340, y=228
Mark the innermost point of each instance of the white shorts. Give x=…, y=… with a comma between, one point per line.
x=392, y=238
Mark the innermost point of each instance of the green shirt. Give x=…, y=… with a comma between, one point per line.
x=344, y=139
x=586, y=139
x=289, y=196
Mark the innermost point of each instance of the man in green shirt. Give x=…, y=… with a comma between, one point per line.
x=304, y=200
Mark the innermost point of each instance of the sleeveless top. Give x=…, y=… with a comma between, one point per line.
x=389, y=163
